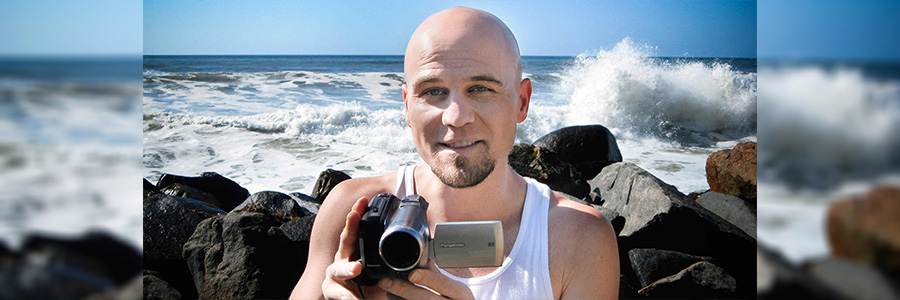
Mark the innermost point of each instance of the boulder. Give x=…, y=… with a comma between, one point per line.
x=327, y=180
x=650, y=265
x=299, y=230
x=168, y=223
x=852, y=280
x=614, y=218
x=243, y=255
x=866, y=228
x=307, y=202
x=700, y=280
x=149, y=189
x=778, y=279
x=733, y=171
x=588, y=148
x=277, y=204
x=184, y=191
x=658, y=216
x=95, y=254
x=228, y=193
x=158, y=289
x=134, y=290
x=548, y=168
x=733, y=209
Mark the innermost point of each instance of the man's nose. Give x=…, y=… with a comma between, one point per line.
x=458, y=112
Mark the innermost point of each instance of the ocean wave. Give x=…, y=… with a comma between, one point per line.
x=686, y=101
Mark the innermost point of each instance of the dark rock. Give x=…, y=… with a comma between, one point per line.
x=277, y=204
x=299, y=230
x=614, y=218
x=778, y=279
x=134, y=290
x=95, y=254
x=650, y=265
x=158, y=289
x=626, y=290
x=307, y=202
x=243, y=255
x=658, y=216
x=149, y=189
x=695, y=195
x=184, y=191
x=700, y=280
x=228, y=193
x=733, y=209
x=168, y=223
x=327, y=180
x=733, y=172
x=588, y=148
x=867, y=228
x=852, y=280
x=548, y=168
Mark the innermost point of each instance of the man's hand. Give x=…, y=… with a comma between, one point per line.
x=442, y=287
x=338, y=275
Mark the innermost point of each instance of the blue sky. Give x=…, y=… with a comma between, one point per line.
x=677, y=27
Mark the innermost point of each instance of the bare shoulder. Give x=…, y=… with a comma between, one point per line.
x=343, y=195
x=584, y=258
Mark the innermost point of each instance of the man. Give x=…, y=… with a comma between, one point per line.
x=464, y=96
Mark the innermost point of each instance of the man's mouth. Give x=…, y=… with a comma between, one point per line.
x=460, y=144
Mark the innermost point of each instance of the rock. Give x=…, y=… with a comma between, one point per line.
x=243, y=255
x=616, y=220
x=658, y=216
x=95, y=254
x=228, y=193
x=778, y=279
x=852, y=280
x=307, y=202
x=327, y=180
x=274, y=203
x=650, y=265
x=866, y=228
x=149, y=189
x=588, y=148
x=158, y=289
x=299, y=230
x=168, y=223
x=181, y=190
x=733, y=209
x=626, y=290
x=134, y=290
x=548, y=168
x=700, y=280
x=733, y=172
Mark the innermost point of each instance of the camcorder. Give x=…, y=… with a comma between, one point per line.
x=394, y=239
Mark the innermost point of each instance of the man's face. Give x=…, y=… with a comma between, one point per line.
x=463, y=102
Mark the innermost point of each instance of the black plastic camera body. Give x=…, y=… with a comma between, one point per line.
x=393, y=237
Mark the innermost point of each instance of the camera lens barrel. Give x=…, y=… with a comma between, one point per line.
x=404, y=244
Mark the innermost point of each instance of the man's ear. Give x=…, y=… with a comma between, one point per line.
x=405, y=103
x=524, y=100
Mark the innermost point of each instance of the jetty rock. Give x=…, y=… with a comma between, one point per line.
x=548, y=168
x=227, y=192
x=326, y=181
x=733, y=171
x=278, y=204
x=866, y=228
x=588, y=148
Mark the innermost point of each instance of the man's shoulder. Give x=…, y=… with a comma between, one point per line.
x=573, y=224
x=345, y=193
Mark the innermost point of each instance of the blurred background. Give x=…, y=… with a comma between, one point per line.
x=828, y=155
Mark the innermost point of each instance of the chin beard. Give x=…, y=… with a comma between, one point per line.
x=461, y=172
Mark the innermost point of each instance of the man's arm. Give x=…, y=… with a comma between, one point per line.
x=326, y=233
x=580, y=232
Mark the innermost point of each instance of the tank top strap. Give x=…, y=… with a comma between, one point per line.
x=405, y=181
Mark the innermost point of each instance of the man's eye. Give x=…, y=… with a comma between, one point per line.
x=433, y=92
x=480, y=89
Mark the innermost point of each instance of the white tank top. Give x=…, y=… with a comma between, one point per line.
x=525, y=274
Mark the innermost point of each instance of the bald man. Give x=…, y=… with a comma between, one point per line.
x=464, y=96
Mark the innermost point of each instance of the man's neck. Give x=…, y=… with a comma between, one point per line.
x=499, y=197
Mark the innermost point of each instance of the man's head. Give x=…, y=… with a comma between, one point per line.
x=464, y=94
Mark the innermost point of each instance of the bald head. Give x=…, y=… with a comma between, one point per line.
x=461, y=33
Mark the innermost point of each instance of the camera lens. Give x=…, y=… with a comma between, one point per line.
x=400, y=250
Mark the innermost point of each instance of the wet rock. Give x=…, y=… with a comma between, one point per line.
x=277, y=204
x=158, y=289
x=243, y=255
x=228, y=193
x=327, y=180
x=548, y=168
x=650, y=265
x=700, y=280
x=299, y=230
x=866, y=228
x=95, y=254
x=149, y=189
x=307, y=202
x=658, y=216
x=778, y=279
x=852, y=280
x=733, y=172
x=134, y=290
x=588, y=148
x=184, y=191
x=733, y=209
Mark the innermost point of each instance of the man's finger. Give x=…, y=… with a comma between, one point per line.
x=332, y=290
x=360, y=205
x=406, y=290
x=349, y=236
x=340, y=271
x=439, y=283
